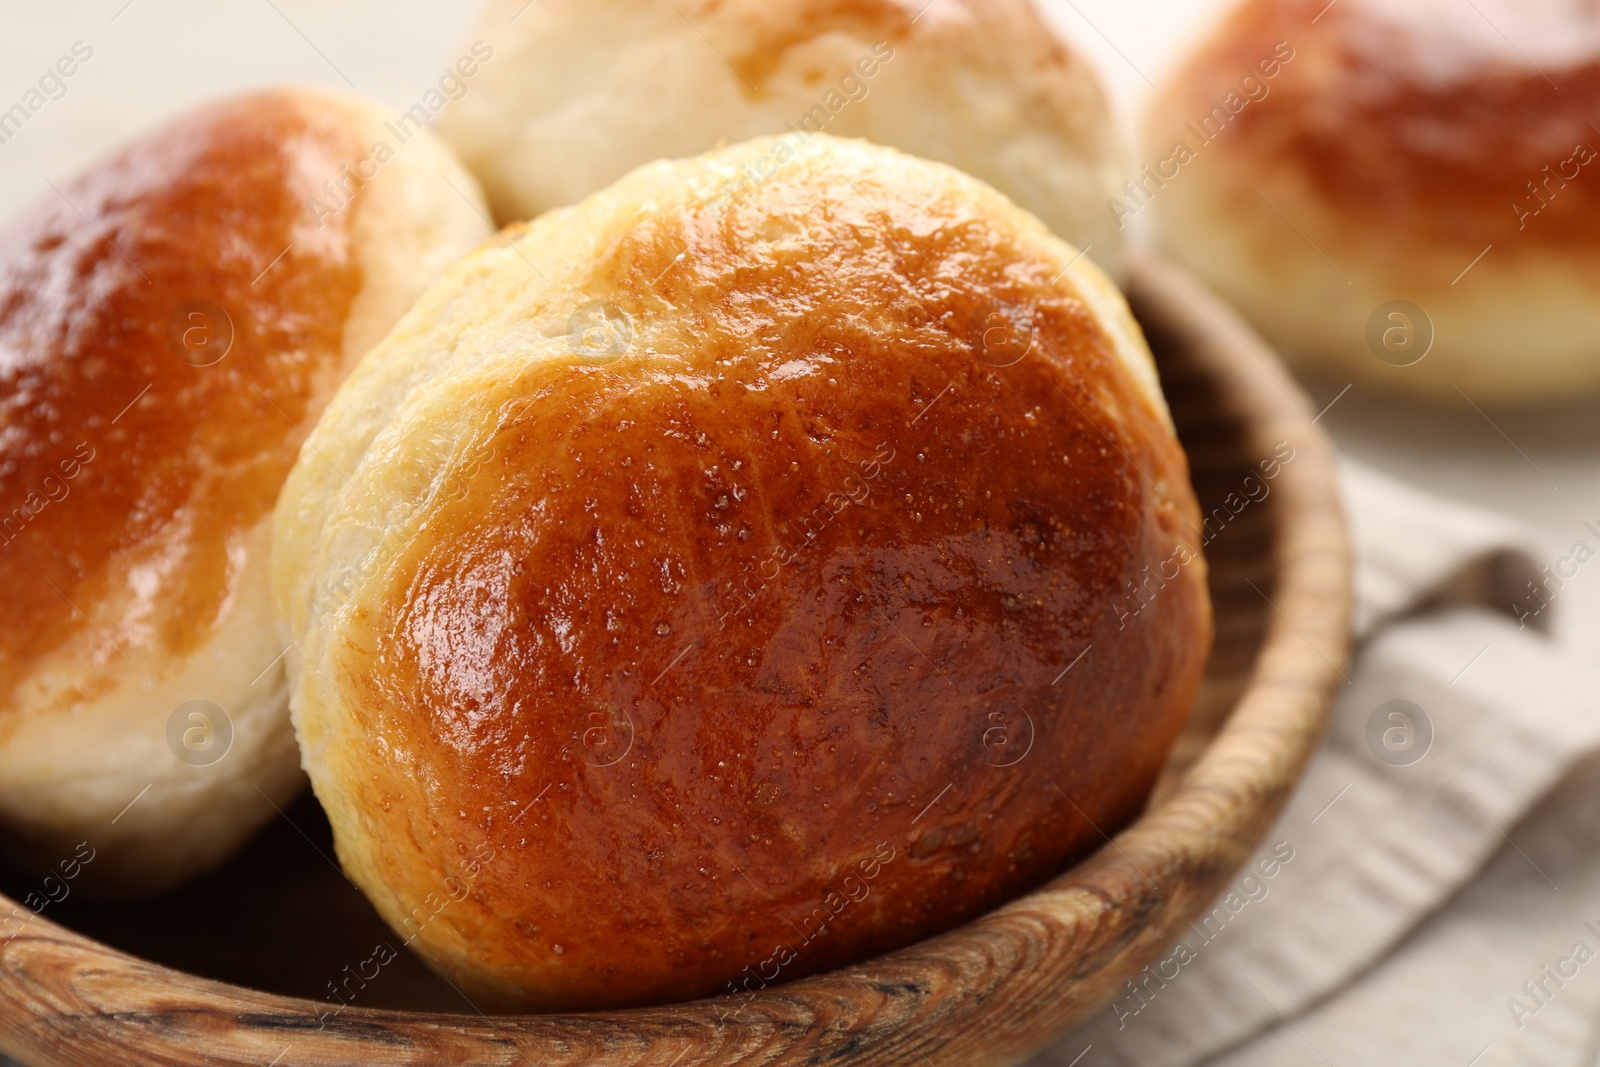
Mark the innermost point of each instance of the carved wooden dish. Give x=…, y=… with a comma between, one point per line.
x=274, y=928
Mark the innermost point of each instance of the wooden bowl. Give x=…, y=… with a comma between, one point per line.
x=281, y=918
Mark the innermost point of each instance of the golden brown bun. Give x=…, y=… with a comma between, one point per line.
x=578, y=93
x=1389, y=153
x=143, y=452
x=700, y=565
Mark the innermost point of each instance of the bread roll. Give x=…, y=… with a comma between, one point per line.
x=171, y=323
x=709, y=574
x=1397, y=194
x=577, y=93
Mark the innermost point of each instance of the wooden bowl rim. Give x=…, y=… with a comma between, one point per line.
x=1114, y=915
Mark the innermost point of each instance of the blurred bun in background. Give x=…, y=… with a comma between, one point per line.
x=172, y=321
x=1407, y=195
x=580, y=92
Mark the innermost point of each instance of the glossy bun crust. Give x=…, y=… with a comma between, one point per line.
x=1401, y=143
x=710, y=574
x=578, y=93
x=171, y=322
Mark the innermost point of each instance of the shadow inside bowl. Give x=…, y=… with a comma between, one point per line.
x=279, y=917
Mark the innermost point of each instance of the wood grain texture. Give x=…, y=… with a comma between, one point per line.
x=993, y=991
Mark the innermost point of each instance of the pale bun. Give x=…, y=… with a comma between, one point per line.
x=1405, y=201
x=576, y=93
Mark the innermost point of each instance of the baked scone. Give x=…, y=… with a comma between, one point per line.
x=1397, y=195
x=580, y=92
x=719, y=591
x=171, y=323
